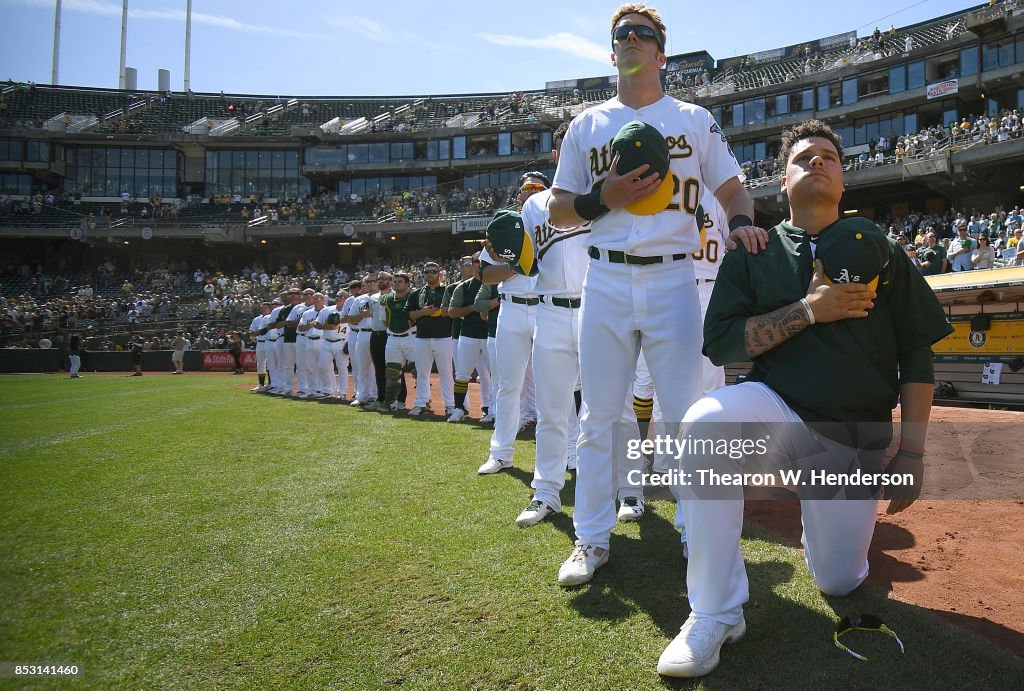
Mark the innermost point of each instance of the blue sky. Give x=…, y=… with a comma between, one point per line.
x=386, y=47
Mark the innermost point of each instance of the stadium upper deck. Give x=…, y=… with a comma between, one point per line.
x=100, y=145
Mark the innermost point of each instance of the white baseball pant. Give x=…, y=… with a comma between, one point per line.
x=556, y=365
x=273, y=367
x=331, y=355
x=473, y=355
x=836, y=532
x=362, y=367
x=286, y=362
x=624, y=306
x=261, y=358
x=428, y=352
x=513, y=345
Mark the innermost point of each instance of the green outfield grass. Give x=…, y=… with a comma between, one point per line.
x=183, y=532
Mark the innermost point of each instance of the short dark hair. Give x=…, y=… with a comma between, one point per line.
x=559, y=135
x=806, y=130
x=534, y=174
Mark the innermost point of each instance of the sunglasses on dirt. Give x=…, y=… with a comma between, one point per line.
x=621, y=33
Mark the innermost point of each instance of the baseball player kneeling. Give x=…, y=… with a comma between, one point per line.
x=839, y=325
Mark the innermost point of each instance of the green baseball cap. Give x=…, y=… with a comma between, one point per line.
x=853, y=251
x=638, y=143
x=510, y=240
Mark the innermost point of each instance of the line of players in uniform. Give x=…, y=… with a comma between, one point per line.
x=380, y=328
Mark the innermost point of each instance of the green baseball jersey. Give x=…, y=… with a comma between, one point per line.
x=464, y=296
x=430, y=327
x=446, y=301
x=489, y=293
x=397, y=312
x=845, y=372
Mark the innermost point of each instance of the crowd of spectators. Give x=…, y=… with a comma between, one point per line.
x=959, y=241
x=168, y=298
x=932, y=140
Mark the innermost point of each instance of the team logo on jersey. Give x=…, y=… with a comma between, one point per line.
x=601, y=159
x=678, y=147
x=546, y=236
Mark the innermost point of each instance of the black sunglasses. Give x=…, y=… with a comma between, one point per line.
x=621, y=33
x=430, y=271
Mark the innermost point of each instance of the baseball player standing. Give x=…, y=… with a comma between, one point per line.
x=258, y=331
x=400, y=349
x=288, y=318
x=379, y=339
x=332, y=350
x=839, y=326
x=562, y=264
x=467, y=266
x=706, y=262
x=433, y=341
x=348, y=320
x=307, y=343
x=366, y=381
x=273, y=347
x=513, y=341
x=633, y=257
x=472, y=346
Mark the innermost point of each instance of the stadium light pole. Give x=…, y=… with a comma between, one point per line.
x=56, y=44
x=124, y=40
x=188, y=42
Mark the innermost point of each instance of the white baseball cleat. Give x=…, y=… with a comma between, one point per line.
x=357, y=403
x=695, y=651
x=487, y=419
x=458, y=414
x=492, y=465
x=416, y=411
x=397, y=405
x=579, y=568
x=533, y=514
x=632, y=509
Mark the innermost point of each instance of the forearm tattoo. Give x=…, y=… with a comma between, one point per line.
x=766, y=331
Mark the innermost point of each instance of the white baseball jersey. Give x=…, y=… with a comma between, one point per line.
x=348, y=309
x=360, y=304
x=523, y=286
x=321, y=319
x=708, y=259
x=308, y=316
x=561, y=253
x=273, y=318
x=378, y=316
x=292, y=313
x=700, y=156
x=258, y=322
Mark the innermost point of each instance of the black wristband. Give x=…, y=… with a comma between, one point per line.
x=589, y=206
x=740, y=220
